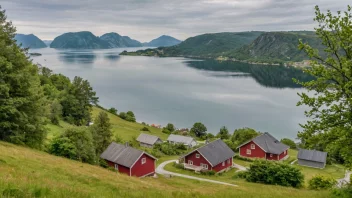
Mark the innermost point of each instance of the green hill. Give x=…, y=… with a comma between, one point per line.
x=116, y=40
x=29, y=41
x=275, y=47
x=205, y=45
x=30, y=173
x=163, y=41
x=79, y=40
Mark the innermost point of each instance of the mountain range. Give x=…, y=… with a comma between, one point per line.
x=29, y=41
x=260, y=47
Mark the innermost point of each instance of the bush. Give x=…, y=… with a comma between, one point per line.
x=144, y=129
x=209, y=173
x=289, y=143
x=179, y=166
x=321, y=182
x=103, y=164
x=241, y=175
x=129, y=116
x=344, y=192
x=113, y=110
x=244, y=158
x=166, y=131
x=268, y=172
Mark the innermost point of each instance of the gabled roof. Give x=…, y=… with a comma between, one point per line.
x=215, y=152
x=123, y=155
x=180, y=139
x=148, y=139
x=312, y=155
x=268, y=143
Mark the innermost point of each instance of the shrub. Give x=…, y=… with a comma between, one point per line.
x=144, y=129
x=244, y=158
x=241, y=175
x=268, y=172
x=289, y=143
x=103, y=164
x=210, y=173
x=166, y=131
x=113, y=110
x=321, y=182
x=179, y=166
x=344, y=192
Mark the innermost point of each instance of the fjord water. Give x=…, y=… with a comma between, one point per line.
x=184, y=91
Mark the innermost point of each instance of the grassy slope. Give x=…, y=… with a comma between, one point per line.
x=32, y=173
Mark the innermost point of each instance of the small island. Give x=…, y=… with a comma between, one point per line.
x=35, y=54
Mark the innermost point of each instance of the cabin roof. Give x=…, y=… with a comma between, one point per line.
x=312, y=155
x=180, y=139
x=148, y=139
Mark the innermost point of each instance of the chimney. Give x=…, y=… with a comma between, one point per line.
x=126, y=144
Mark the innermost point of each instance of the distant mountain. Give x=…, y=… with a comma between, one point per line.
x=29, y=41
x=116, y=40
x=79, y=40
x=163, y=41
x=276, y=47
x=47, y=42
x=205, y=45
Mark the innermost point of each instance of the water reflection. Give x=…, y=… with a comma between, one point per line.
x=112, y=57
x=81, y=57
x=265, y=75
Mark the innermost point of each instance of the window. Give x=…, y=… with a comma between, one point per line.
x=197, y=155
x=190, y=162
x=271, y=155
x=223, y=163
x=285, y=152
x=228, y=161
x=116, y=167
x=248, y=152
x=204, y=165
x=144, y=160
x=252, y=146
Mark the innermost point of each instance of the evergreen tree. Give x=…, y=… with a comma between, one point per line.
x=101, y=131
x=223, y=133
x=22, y=102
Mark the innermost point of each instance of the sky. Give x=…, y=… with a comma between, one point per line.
x=145, y=20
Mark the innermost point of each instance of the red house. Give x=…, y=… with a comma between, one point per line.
x=216, y=156
x=128, y=160
x=264, y=146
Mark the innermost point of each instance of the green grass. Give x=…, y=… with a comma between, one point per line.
x=30, y=173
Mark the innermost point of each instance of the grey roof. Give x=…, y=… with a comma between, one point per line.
x=215, y=152
x=268, y=143
x=180, y=139
x=122, y=155
x=312, y=155
x=147, y=139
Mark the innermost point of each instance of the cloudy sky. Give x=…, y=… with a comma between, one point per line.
x=147, y=19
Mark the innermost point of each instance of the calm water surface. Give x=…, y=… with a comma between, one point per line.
x=184, y=91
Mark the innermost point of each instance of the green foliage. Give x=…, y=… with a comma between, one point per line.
x=178, y=165
x=170, y=149
x=118, y=139
x=170, y=127
x=75, y=143
x=289, y=143
x=22, y=101
x=209, y=173
x=129, y=116
x=223, y=133
x=198, y=129
x=112, y=110
x=330, y=125
x=101, y=132
x=77, y=103
x=55, y=112
x=240, y=136
x=13, y=192
x=145, y=129
x=320, y=182
x=166, y=131
x=268, y=172
x=240, y=175
x=344, y=192
x=244, y=158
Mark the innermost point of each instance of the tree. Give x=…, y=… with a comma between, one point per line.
x=75, y=143
x=224, y=133
x=130, y=116
x=198, y=129
x=330, y=102
x=77, y=103
x=289, y=143
x=55, y=112
x=22, y=101
x=112, y=110
x=170, y=127
x=243, y=135
x=101, y=132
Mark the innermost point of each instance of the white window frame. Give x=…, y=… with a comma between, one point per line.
x=144, y=160
x=116, y=167
x=252, y=146
x=249, y=152
x=228, y=161
x=223, y=163
x=190, y=162
x=197, y=155
x=285, y=152
x=271, y=155
x=204, y=165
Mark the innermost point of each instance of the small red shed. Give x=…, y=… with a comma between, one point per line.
x=128, y=160
x=216, y=156
x=264, y=146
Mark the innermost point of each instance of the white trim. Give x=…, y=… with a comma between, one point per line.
x=253, y=146
x=190, y=162
x=144, y=160
x=223, y=163
x=136, y=160
x=248, y=152
x=197, y=155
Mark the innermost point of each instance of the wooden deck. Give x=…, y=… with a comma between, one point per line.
x=192, y=167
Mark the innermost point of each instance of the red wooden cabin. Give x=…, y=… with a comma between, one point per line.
x=128, y=160
x=264, y=146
